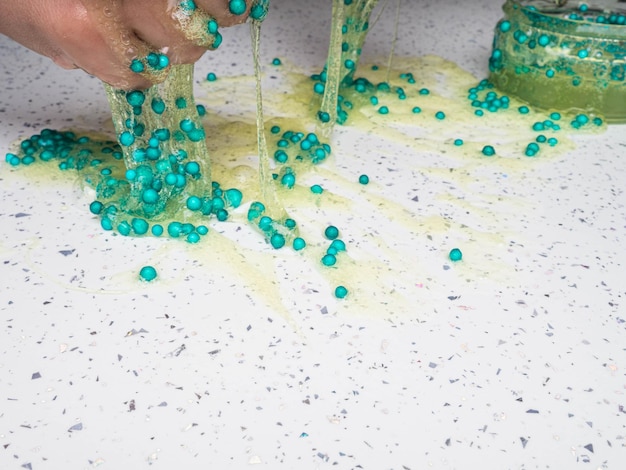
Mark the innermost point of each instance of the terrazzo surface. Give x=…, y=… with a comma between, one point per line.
x=519, y=368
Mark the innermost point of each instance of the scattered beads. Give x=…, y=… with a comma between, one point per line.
x=364, y=179
x=294, y=145
x=491, y=102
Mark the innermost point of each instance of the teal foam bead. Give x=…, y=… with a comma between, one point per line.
x=194, y=203
x=150, y=196
x=124, y=228
x=265, y=223
x=174, y=229
x=341, y=292
x=338, y=245
x=329, y=260
x=299, y=244
x=140, y=226
x=237, y=7
x=221, y=215
x=277, y=240
x=193, y=237
x=234, y=197
x=96, y=207
x=148, y=273
x=455, y=254
x=488, y=151
x=331, y=232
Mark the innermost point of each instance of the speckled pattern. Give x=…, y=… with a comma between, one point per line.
x=100, y=371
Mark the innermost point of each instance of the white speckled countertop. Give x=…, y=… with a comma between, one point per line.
x=197, y=372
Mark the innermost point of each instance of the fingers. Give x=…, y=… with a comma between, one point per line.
x=99, y=41
x=160, y=28
x=180, y=30
x=127, y=44
x=180, y=25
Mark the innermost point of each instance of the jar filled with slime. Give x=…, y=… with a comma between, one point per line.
x=564, y=55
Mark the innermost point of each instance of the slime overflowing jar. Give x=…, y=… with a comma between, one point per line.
x=564, y=55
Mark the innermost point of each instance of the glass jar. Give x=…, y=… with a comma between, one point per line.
x=556, y=55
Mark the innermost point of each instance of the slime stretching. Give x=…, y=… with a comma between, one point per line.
x=349, y=28
x=161, y=140
x=160, y=131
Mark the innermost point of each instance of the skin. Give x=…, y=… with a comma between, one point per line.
x=103, y=36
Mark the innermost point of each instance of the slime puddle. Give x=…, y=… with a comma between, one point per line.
x=426, y=196
x=437, y=147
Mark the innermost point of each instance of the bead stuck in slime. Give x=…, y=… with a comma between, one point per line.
x=455, y=254
x=341, y=292
x=148, y=274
